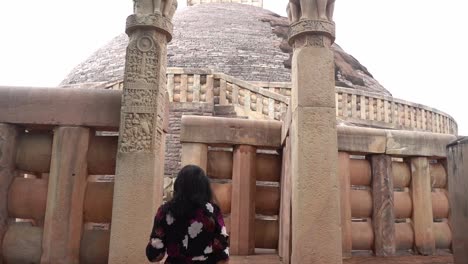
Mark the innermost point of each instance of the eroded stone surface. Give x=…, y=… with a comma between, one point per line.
x=411, y=143
x=315, y=190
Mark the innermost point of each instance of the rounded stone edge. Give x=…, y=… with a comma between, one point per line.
x=313, y=27
x=152, y=21
x=457, y=142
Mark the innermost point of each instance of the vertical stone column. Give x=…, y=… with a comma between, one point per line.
x=423, y=221
x=138, y=189
x=316, y=231
x=8, y=141
x=345, y=194
x=243, y=201
x=284, y=244
x=383, y=215
x=63, y=220
x=457, y=155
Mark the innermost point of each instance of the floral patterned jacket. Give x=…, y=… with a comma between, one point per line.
x=202, y=238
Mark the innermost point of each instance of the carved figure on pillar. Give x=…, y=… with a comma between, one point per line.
x=140, y=157
x=310, y=9
x=165, y=8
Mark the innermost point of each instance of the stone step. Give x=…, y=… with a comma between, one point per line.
x=233, y=116
x=224, y=110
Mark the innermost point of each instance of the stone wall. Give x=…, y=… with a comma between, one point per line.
x=173, y=146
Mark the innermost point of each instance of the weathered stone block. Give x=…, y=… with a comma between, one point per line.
x=316, y=206
x=74, y=107
x=94, y=247
x=216, y=130
x=66, y=189
x=361, y=140
x=458, y=185
x=411, y=143
x=22, y=244
x=312, y=71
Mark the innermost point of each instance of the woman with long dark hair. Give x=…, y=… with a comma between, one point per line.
x=190, y=227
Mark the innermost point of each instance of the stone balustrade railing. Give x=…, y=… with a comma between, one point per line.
x=269, y=100
x=371, y=109
x=55, y=165
x=201, y=85
x=241, y=158
x=394, y=192
x=354, y=106
x=55, y=183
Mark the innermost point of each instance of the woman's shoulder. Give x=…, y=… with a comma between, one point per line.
x=162, y=210
x=212, y=208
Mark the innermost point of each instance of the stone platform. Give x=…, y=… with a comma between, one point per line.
x=274, y=259
x=401, y=260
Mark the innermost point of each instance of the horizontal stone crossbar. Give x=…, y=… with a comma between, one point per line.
x=392, y=142
x=59, y=106
x=230, y=131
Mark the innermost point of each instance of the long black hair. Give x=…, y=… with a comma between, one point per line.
x=191, y=190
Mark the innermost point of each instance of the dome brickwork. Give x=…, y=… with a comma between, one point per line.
x=243, y=41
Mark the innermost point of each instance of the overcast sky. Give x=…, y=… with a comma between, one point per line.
x=416, y=48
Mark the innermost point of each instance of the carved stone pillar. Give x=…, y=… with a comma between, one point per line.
x=316, y=232
x=138, y=187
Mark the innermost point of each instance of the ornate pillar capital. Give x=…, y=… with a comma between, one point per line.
x=150, y=21
x=310, y=32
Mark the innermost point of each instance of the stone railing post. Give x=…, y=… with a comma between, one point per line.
x=423, y=219
x=8, y=141
x=316, y=231
x=63, y=220
x=457, y=155
x=345, y=195
x=243, y=200
x=138, y=187
x=284, y=243
x=383, y=215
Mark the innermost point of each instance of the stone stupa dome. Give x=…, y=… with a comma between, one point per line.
x=243, y=41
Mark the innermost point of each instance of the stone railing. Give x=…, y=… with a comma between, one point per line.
x=200, y=85
x=56, y=179
x=355, y=106
x=269, y=100
x=394, y=195
x=241, y=158
x=61, y=160
x=371, y=109
x=394, y=191
x=56, y=174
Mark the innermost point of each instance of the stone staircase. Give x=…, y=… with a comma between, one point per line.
x=229, y=111
x=269, y=101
